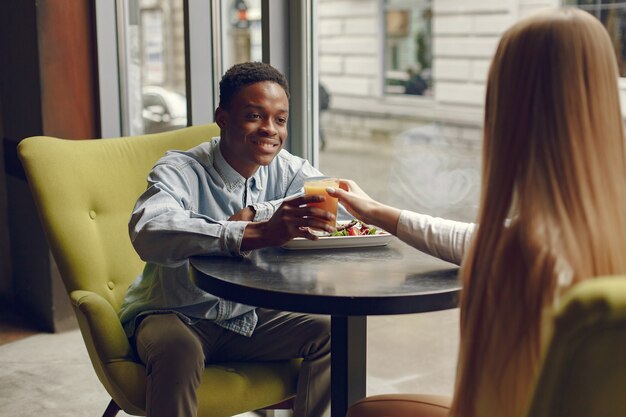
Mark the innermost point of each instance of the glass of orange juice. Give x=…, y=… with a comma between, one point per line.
x=318, y=185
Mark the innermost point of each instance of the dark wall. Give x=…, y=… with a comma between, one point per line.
x=47, y=50
x=21, y=115
x=6, y=291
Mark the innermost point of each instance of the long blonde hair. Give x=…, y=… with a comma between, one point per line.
x=554, y=165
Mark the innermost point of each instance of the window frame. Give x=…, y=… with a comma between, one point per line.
x=108, y=74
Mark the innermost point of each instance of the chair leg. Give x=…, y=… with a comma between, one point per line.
x=282, y=409
x=278, y=413
x=112, y=409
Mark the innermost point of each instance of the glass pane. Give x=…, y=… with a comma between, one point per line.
x=153, y=66
x=241, y=32
x=408, y=47
x=612, y=14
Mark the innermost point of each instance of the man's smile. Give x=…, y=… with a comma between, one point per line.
x=265, y=144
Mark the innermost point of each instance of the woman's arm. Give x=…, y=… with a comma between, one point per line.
x=445, y=239
x=364, y=208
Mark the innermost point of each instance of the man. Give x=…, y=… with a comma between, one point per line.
x=226, y=196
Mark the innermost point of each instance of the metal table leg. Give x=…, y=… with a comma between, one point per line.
x=348, y=362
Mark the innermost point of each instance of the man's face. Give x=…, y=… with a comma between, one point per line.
x=254, y=127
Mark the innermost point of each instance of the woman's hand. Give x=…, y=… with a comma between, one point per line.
x=365, y=208
x=354, y=199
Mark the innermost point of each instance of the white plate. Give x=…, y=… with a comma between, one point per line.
x=331, y=242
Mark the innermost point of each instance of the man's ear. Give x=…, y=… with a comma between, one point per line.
x=221, y=117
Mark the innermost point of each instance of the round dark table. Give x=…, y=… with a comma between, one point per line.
x=348, y=284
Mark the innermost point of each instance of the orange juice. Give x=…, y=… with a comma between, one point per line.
x=315, y=186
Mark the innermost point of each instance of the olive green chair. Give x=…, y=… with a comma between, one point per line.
x=584, y=370
x=85, y=191
x=583, y=373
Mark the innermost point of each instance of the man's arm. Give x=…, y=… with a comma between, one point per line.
x=166, y=228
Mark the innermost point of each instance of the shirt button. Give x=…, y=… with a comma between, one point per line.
x=92, y=214
x=111, y=285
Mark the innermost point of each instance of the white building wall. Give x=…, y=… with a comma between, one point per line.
x=465, y=36
x=348, y=38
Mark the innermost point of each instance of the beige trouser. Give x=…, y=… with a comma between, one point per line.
x=401, y=405
x=175, y=353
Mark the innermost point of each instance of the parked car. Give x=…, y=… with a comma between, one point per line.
x=163, y=109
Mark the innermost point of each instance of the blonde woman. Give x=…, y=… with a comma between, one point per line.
x=552, y=210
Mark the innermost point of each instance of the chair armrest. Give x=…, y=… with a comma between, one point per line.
x=584, y=368
x=593, y=301
x=101, y=328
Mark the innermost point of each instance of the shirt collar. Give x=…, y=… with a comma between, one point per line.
x=233, y=179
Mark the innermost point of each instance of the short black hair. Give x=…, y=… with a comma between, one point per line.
x=241, y=75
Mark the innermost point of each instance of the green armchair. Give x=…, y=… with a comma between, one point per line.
x=84, y=191
x=584, y=370
x=583, y=373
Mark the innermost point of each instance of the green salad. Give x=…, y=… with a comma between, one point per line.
x=354, y=228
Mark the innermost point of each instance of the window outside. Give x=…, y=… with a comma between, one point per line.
x=406, y=86
x=241, y=32
x=152, y=58
x=408, y=47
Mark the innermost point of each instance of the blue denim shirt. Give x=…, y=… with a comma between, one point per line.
x=184, y=213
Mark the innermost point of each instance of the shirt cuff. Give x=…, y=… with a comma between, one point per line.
x=263, y=211
x=232, y=237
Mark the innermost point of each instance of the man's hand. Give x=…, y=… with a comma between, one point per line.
x=292, y=219
x=246, y=214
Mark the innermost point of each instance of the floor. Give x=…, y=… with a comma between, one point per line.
x=50, y=374
x=13, y=327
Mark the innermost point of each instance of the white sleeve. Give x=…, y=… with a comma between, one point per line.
x=446, y=239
